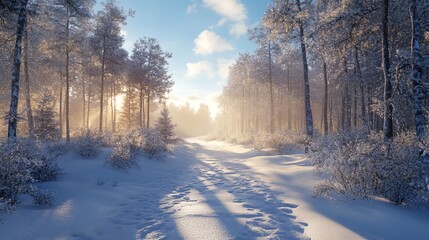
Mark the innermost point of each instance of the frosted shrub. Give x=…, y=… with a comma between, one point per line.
x=86, y=144
x=56, y=149
x=245, y=139
x=400, y=170
x=364, y=165
x=46, y=170
x=44, y=164
x=347, y=160
x=287, y=142
x=282, y=143
x=122, y=156
x=108, y=138
x=135, y=138
x=260, y=142
x=153, y=143
x=43, y=198
x=21, y=166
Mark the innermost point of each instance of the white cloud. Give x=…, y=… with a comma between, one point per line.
x=192, y=8
x=200, y=68
x=238, y=29
x=209, y=42
x=232, y=10
x=223, y=67
x=221, y=22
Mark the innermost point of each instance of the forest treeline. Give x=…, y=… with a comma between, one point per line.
x=352, y=77
x=332, y=66
x=68, y=62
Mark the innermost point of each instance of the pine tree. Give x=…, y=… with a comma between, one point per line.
x=46, y=127
x=165, y=126
x=106, y=43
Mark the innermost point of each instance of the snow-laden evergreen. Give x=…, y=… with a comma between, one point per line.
x=46, y=127
x=165, y=126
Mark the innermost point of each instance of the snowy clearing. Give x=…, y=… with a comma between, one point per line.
x=204, y=190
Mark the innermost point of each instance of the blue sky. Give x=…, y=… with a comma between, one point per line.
x=204, y=37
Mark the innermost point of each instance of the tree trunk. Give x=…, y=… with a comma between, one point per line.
x=271, y=89
x=14, y=96
x=331, y=125
x=289, y=109
x=388, y=108
x=347, y=101
x=89, y=104
x=112, y=102
x=249, y=110
x=141, y=102
x=362, y=90
x=148, y=106
x=114, y=106
x=242, y=110
x=308, y=113
x=61, y=106
x=257, y=109
x=27, y=86
x=67, y=79
x=83, y=102
x=416, y=78
x=102, y=91
x=280, y=110
x=325, y=100
x=67, y=97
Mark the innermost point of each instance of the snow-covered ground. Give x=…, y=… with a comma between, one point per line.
x=204, y=190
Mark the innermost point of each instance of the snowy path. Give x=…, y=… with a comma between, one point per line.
x=204, y=190
x=221, y=200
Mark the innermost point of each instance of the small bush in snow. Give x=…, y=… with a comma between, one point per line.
x=134, y=138
x=56, y=149
x=43, y=198
x=153, y=143
x=363, y=165
x=101, y=182
x=86, y=144
x=23, y=164
x=122, y=156
x=108, y=139
x=281, y=143
x=46, y=170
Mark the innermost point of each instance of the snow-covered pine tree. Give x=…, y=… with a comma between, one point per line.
x=106, y=43
x=45, y=125
x=165, y=126
x=149, y=65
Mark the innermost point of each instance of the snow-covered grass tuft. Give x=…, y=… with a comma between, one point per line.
x=87, y=144
x=362, y=165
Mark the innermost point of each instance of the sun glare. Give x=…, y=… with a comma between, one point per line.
x=120, y=98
